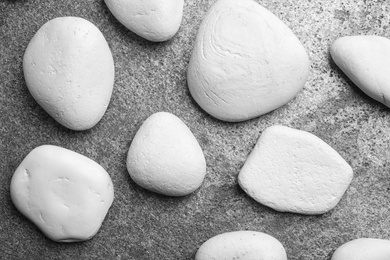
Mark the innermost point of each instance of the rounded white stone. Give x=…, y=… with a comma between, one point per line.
x=363, y=249
x=154, y=20
x=69, y=70
x=246, y=245
x=291, y=170
x=245, y=62
x=165, y=157
x=365, y=59
x=65, y=194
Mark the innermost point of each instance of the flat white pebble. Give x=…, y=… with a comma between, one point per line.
x=365, y=59
x=244, y=245
x=363, y=249
x=246, y=62
x=154, y=20
x=69, y=70
x=165, y=157
x=65, y=194
x=291, y=170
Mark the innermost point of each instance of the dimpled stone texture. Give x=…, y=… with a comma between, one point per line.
x=65, y=194
x=150, y=78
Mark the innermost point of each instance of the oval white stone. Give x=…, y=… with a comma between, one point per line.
x=242, y=245
x=69, y=70
x=246, y=62
x=294, y=171
x=165, y=157
x=365, y=59
x=363, y=249
x=65, y=194
x=154, y=20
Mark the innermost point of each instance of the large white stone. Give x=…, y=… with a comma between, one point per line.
x=363, y=249
x=294, y=171
x=154, y=20
x=245, y=62
x=165, y=157
x=65, y=194
x=246, y=245
x=365, y=59
x=69, y=70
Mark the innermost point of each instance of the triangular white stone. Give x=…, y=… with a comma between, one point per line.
x=246, y=62
x=165, y=157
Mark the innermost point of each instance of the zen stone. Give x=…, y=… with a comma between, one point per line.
x=242, y=245
x=245, y=62
x=65, y=194
x=69, y=70
x=154, y=20
x=165, y=157
x=291, y=170
x=363, y=249
x=366, y=62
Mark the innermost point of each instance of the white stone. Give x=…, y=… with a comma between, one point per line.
x=69, y=70
x=165, y=157
x=245, y=62
x=365, y=59
x=154, y=20
x=65, y=194
x=246, y=245
x=291, y=170
x=363, y=249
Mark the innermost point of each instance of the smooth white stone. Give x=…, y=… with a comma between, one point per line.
x=154, y=20
x=365, y=59
x=65, y=194
x=246, y=245
x=245, y=62
x=363, y=249
x=165, y=157
x=291, y=170
x=69, y=70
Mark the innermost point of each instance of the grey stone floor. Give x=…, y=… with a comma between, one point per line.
x=151, y=77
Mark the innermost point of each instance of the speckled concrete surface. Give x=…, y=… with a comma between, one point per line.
x=151, y=77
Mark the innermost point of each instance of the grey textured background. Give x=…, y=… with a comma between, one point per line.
x=151, y=77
